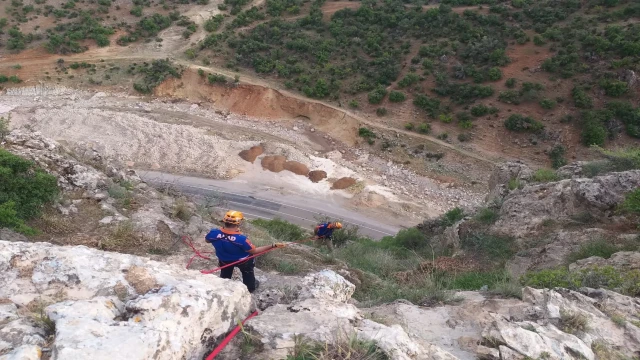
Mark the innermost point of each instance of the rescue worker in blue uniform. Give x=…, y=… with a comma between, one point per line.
x=231, y=246
x=323, y=233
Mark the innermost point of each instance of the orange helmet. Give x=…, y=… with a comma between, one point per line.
x=337, y=225
x=233, y=217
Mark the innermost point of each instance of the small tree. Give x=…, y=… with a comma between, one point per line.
x=4, y=127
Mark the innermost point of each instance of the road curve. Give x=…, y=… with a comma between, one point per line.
x=263, y=203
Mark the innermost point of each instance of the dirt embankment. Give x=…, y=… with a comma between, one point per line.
x=262, y=102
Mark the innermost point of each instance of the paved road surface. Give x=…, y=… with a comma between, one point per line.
x=261, y=202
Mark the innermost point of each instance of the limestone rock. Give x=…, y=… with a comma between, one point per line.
x=623, y=260
x=535, y=344
x=524, y=211
x=141, y=280
x=395, y=342
x=269, y=297
x=503, y=174
x=24, y=352
x=168, y=312
x=314, y=319
x=326, y=285
x=487, y=353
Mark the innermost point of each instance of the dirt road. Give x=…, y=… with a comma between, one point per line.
x=265, y=203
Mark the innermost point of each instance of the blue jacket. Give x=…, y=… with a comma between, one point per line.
x=324, y=230
x=230, y=245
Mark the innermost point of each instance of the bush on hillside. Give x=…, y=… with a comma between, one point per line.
x=281, y=230
x=624, y=282
x=521, y=123
x=412, y=239
x=545, y=175
x=376, y=96
x=600, y=247
x=153, y=74
x=557, y=156
x=396, y=96
x=631, y=202
x=452, y=216
x=4, y=127
x=24, y=190
x=492, y=246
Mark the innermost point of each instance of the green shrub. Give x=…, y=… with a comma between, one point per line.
x=581, y=99
x=625, y=282
x=573, y=323
x=376, y=96
x=354, y=104
x=631, y=202
x=213, y=23
x=495, y=74
x=514, y=184
x=424, y=128
x=493, y=246
x=464, y=137
x=545, y=175
x=446, y=118
x=381, y=111
x=520, y=123
x=482, y=110
x=557, y=156
x=452, y=216
x=538, y=40
x=9, y=219
x=429, y=105
x=550, y=278
x=154, y=73
x=547, y=104
x=511, y=83
x=136, y=11
x=348, y=233
x=600, y=247
x=408, y=80
x=510, y=97
x=475, y=280
x=281, y=230
x=593, y=131
x=408, y=126
x=614, y=88
x=412, y=239
x=366, y=133
x=216, y=79
x=396, y=96
x=4, y=127
x=24, y=190
x=487, y=216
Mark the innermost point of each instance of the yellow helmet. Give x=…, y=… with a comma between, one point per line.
x=233, y=217
x=337, y=225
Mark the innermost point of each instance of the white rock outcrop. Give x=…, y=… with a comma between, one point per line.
x=111, y=306
x=321, y=314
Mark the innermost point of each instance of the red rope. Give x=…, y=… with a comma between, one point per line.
x=189, y=242
x=248, y=258
x=228, y=338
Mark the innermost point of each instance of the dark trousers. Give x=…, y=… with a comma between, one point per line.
x=246, y=268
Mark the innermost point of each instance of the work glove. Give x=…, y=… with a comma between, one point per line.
x=278, y=245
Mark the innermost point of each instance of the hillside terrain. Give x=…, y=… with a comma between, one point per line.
x=93, y=259
x=484, y=157
x=429, y=85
